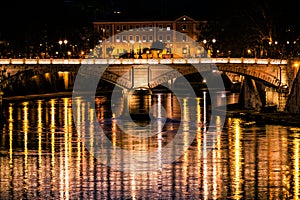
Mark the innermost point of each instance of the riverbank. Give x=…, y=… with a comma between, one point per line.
x=280, y=118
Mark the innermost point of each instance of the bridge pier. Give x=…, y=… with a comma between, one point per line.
x=249, y=96
x=276, y=97
x=135, y=107
x=293, y=101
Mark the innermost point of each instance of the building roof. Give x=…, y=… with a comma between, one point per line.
x=122, y=18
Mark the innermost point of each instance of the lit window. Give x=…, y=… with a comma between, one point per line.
x=150, y=27
x=168, y=28
x=117, y=38
x=160, y=27
x=160, y=38
x=144, y=38
x=184, y=50
x=150, y=38
x=168, y=38
x=137, y=38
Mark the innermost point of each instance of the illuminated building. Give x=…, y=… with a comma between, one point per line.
x=119, y=37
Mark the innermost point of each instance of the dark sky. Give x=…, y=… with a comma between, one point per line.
x=20, y=16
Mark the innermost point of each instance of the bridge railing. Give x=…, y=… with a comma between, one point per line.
x=143, y=61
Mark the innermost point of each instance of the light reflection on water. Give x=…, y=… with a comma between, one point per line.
x=42, y=156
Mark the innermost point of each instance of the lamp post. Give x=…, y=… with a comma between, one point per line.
x=213, y=47
x=60, y=43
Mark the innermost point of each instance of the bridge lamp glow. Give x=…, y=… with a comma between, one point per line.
x=60, y=42
x=65, y=41
x=296, y=65
x=204, y=41
x=214, y=40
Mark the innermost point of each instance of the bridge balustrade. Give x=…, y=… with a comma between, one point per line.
x=144, y=61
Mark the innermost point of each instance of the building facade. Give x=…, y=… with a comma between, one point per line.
x=179, y=37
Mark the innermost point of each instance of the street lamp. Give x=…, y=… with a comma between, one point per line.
x=213, y=47
x=60, y=43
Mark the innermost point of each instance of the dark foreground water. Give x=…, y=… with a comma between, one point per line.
x=45, y=155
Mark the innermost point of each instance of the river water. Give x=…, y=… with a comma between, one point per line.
x=50, y=148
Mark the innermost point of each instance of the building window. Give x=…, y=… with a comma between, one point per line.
x=150, y=27
x=130, y=27
x=168, y=38
x=150, y=38
x=144, y=27
x=160, y=27
x=137, y=38
x=184, y=50
x=144, y=38
x=184, y=38
x=124, y=27
x=137, y=27
x=117, y=38
x=183, y=27
x=124, y=38
x=168, y=27
x=160, y=38
x=130, y=38
x=118, y=28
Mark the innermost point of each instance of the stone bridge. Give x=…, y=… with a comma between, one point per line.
x=128, y=73
x=134, y=73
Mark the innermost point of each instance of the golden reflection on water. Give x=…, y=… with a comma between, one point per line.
x=25, y=130
x=296, y=166
x=39, y=131
x=10, y=128
x=235, y=145
x=47, y=158
x=52, y=131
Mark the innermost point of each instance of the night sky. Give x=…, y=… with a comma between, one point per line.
x=19, y=17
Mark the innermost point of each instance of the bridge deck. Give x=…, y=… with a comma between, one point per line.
x=143, y=61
